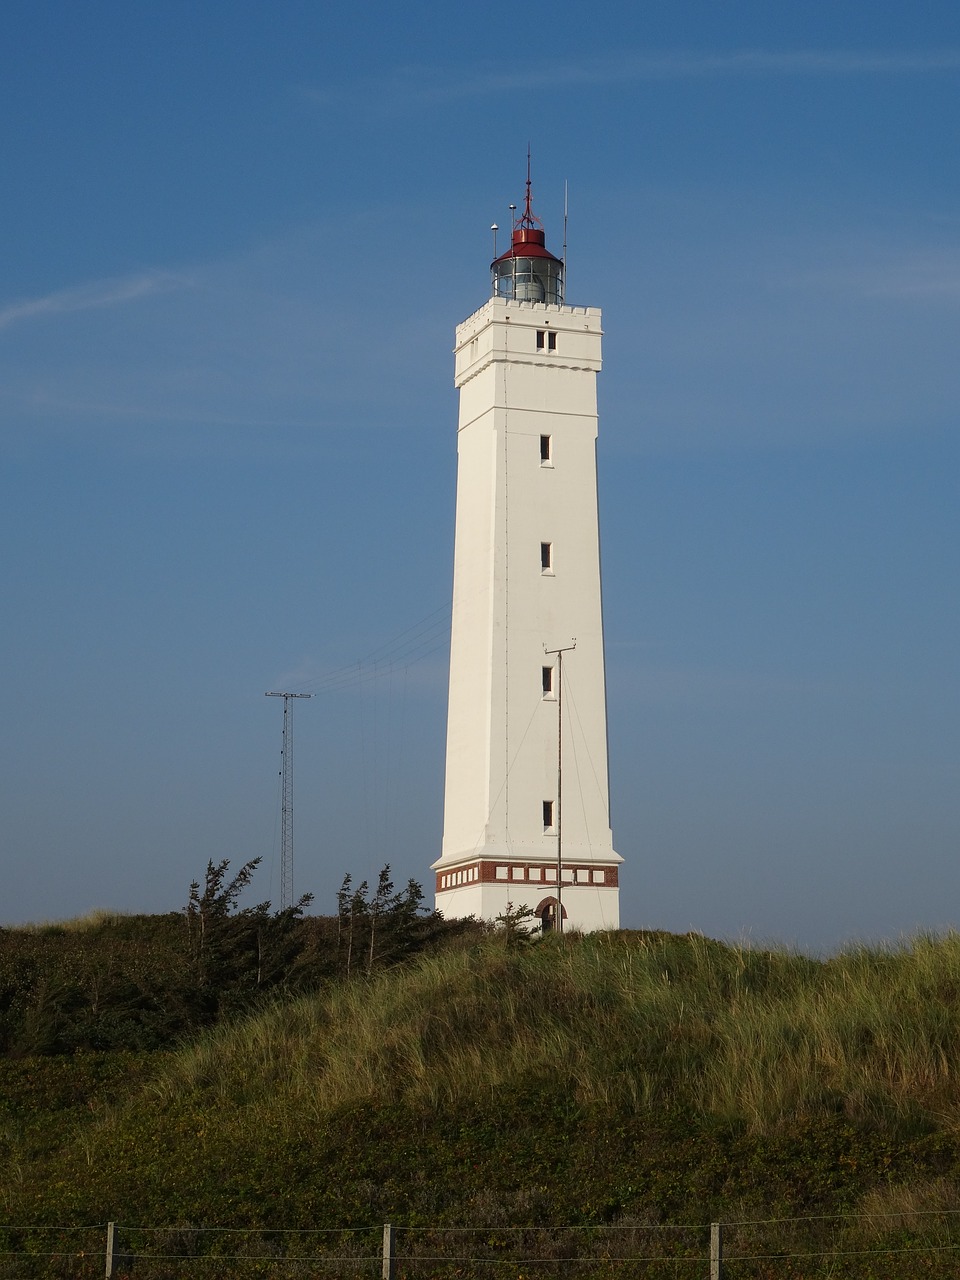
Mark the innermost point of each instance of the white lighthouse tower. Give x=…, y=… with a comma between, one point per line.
x=526, y=804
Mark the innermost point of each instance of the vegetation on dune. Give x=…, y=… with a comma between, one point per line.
x=114, y=983
x=491, y=1081
x=630, y=1023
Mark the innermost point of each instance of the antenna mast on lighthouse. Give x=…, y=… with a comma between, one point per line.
x=286, y=803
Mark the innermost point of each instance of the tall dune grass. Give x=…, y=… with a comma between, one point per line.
x=95, y=919
x=630, y=1021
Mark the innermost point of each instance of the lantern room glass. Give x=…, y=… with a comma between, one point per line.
x=529, y=280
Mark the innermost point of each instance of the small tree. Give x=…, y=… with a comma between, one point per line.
x=380, y=904
x=519, y=924
x=386, y=927
x=352, y=912
x=238, y=951
x=343, y=905
x=209, y=912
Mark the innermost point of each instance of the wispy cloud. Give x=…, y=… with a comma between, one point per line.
x=919, y=276
x=96, y=295
x=41, y=403
x=426, y=84
x=651, y=683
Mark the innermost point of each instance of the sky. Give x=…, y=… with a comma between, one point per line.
x=237, y=239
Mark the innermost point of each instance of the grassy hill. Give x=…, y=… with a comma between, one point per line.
x=626, y=1078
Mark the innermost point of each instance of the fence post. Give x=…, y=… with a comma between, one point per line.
x=108, y=1264
x=387, y=1272
x=716, y=1251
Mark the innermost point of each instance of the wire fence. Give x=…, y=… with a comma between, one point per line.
x=881, y=1247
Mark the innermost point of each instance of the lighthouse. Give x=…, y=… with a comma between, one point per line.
x=526, y=799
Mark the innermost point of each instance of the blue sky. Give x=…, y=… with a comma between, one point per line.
x=236, y=241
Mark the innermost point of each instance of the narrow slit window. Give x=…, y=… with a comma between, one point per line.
x=547, y=814
x=546, y=449
x=551, y=342
x=541, y=339
x=547, y=678
x=546, y=556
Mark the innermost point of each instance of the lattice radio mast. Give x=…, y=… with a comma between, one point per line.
x=286, y=803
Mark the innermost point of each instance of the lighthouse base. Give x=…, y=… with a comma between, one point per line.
x=487, y=888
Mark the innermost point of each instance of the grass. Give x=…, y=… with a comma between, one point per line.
x=625, y=1022
x=93, y=920
x=612, y=1078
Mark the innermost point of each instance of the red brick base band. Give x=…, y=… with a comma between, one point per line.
x=534, y=873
